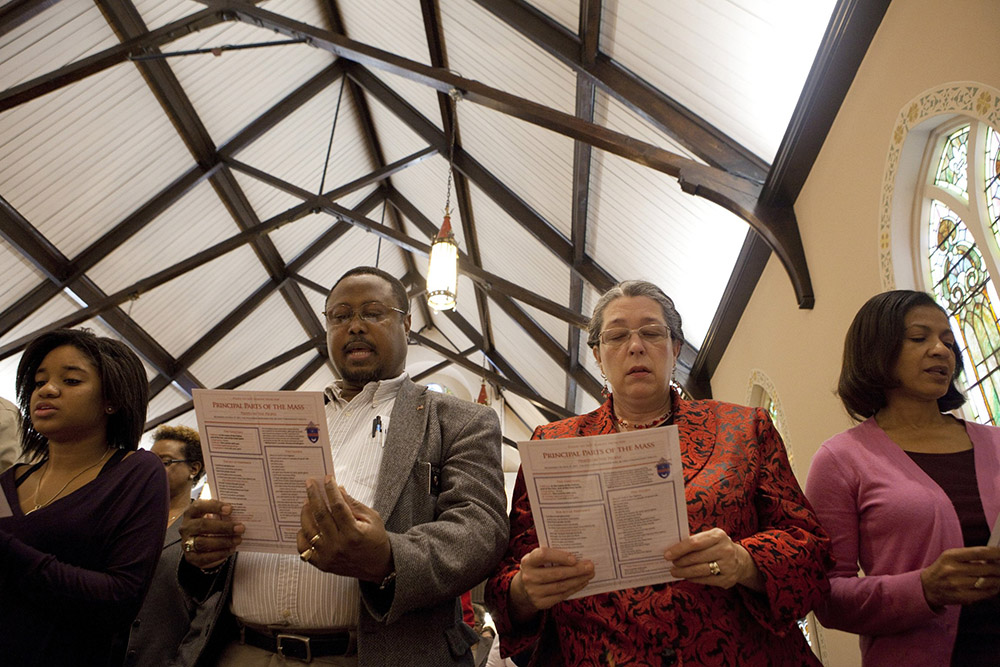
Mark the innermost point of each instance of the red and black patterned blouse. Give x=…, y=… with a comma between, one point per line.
x=737, y=478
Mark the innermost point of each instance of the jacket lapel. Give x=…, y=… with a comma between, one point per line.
x=407, y=428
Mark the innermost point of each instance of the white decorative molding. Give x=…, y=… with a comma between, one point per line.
x=975, y=100
x=759, y=378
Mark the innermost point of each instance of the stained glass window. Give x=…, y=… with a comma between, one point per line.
x=953, y=163
x=991, y=167
x=959, y=272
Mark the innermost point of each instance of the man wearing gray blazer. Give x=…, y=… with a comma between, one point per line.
x=414, y=517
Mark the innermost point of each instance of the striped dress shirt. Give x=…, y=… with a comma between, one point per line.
x=281, y=590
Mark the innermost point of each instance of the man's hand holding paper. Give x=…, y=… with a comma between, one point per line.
x=341, y=535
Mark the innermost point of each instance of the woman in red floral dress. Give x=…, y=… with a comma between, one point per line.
x=756, y=558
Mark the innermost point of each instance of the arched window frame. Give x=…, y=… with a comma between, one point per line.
x=761, y=393
x=972, y=305
x=922, y=127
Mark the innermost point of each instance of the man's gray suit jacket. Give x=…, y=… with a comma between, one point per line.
x=441, y=494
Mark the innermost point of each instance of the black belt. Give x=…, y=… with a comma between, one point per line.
x=300, y=647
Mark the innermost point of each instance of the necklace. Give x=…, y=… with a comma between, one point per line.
x=626, y=425
x=173, y=516
x=34, y=498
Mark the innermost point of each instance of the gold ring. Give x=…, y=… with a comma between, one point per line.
x=315, y=538
x=714, y=569
x=980, y=582
x=307, y=554
x=189, y=546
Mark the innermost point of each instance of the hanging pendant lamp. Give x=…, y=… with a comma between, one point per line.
x=442, y=267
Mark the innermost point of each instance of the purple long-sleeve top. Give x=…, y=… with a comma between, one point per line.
x=73, y=573
x=886, y=515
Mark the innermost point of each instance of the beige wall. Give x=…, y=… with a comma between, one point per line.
x=838, y=212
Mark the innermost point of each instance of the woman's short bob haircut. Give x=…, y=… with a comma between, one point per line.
x=123, y=384
x=872, y=347
x=188, y=437
x=635, y=288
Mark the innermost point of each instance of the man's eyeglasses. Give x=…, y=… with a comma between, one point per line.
x=169, y=462
x=649, y=333
x=372, y=312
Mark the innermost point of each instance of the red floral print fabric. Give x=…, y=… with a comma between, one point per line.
x=737, y=478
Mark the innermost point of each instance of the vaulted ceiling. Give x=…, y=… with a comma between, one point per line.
x=191, y=177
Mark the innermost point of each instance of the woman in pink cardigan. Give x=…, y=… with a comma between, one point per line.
x=910, y=495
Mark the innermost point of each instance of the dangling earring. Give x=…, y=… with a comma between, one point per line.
x=605, y=392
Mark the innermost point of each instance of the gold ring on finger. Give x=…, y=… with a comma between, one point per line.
x=307, y=554
x=714, y=569
x=190, y=546
x=980, y=583
x=315, y=538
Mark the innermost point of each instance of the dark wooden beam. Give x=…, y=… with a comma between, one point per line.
x=305, y=373
x=749, y=265
x=547, y=406
x=103, y=60
x=440, y=366
x=128, y=24
x=693, y=132
x=227, y=324
x=590, y=25
x=377, y=176
x=513, y=205
x=737, y=194
x=280, y=111
x=494, y=357
x=494, y=188
x=549, y=345
x=845, y=43
x=332, y=11
x=239, y=380
x=50, y=261
x=153, y=281
x=18, y=12
x=487, y=280
x=449, y=121
x=484, y=279
x=101, y=248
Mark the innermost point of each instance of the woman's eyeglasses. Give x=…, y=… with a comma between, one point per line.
x=169, y=462
x=649, y=333
x=372, y=312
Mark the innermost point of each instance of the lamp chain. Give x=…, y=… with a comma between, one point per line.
x=453, y=95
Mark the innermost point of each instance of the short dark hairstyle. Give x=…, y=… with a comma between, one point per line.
x=635, y=288
x=123, y=385
x=872, y=347
x=191, y=440
x=403, y=301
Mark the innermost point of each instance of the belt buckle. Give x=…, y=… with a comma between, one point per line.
x=304, y=641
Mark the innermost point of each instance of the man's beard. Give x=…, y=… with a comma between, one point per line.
x=361, y=377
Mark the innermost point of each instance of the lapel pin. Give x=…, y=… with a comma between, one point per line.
x=420, y=407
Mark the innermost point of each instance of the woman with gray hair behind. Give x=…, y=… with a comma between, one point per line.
x=756, y=558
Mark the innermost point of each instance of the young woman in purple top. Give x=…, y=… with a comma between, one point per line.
x=910, y=495
x=81, y=527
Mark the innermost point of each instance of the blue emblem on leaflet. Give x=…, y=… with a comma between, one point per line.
x=312, y=432
x=663, y=468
